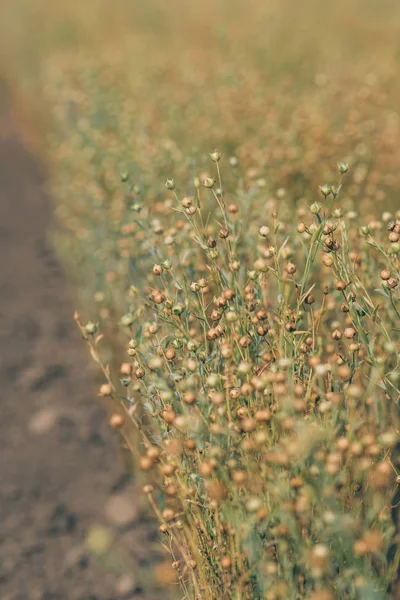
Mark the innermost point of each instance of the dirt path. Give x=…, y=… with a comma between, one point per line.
x=60, y=471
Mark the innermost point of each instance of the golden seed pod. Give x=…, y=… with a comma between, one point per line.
x=349, y=333
x=153, y=452
x=340, y=285
x=145, y=463
x=105, y=389
x=157, y=270
x=168, y=415
x=291, y=268
x=116, y=420
x=205, y=469
x=226, y=563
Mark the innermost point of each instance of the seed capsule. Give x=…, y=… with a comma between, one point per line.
x=340, y=285
x=116, y=420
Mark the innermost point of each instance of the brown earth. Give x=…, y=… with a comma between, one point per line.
x=61, y=474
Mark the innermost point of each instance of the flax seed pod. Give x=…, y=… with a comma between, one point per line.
x=340, y=285
x=116, y=420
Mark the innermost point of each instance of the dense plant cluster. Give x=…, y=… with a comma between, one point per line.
x=262, y=374
x=97, y=138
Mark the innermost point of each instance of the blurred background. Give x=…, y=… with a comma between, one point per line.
x=88, y=91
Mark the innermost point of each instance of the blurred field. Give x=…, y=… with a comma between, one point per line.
x=286, y=86
x=255, y=45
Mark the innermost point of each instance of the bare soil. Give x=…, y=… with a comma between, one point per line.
x=61, y=473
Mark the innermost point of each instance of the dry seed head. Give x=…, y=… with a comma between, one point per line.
x=215, y=156
x=328, y=228
x=145, y=463
x=205, y=469
x=189, y=397
x=116, y=420
x=244, y=342
x=340, y=285
x=170, y=354
x=105, y=389
x=187, y=202
x=223, y=233
x=344, y=372
x=319, y=559
x=226, y=563
x=226, y=351
x=157, y=269
x=349, y=333
x=313, y=361
x=208, y=182
x=239, y=477
x=191, y=210
x=168, y=415
x=301, y=227
x=248, y=425
x=126, y=369
x=167, y=470
x=216, y=398
x=153, y=452
x=291, y=268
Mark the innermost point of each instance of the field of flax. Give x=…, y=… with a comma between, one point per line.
x=227, y=184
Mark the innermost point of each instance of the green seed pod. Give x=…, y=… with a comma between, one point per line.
x=192, y=346
x=127, y=320
x=178, y=308
x=233, y=161
x=215, y=156
x=91, y=327
x=325, y=190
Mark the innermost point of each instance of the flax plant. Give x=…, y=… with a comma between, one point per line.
x=261, y=373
